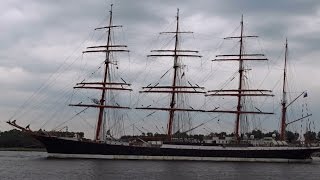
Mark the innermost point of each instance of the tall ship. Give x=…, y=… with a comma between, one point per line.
x=174, y=144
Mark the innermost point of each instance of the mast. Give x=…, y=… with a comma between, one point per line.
x=175, y=89
x=284, y=102
x=106, y=84
x=239, y=106
x=174, y=80
x=240, y=93
x=106, y=72
x=284, y=96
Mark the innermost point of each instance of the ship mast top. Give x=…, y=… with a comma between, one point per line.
x=176, y=87
x=107, y=83
x=240, y=93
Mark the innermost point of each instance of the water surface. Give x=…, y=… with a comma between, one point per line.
x=35, y=165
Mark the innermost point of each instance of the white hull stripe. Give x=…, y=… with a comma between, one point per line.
x=174, y=158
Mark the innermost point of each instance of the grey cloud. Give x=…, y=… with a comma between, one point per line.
x=37, y=36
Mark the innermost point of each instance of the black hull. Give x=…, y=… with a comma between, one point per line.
x=62, y=147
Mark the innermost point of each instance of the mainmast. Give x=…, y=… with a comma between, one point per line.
x=284, y=96
x=175, y=89
x=240, y=93
x=107, y=84
x=174, y=81
x=239, y=106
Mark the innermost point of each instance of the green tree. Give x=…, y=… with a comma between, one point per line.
x=269, y=134
x=257, y=134
x=291, y=137
x=310, y=136
x=16, y=138
x=318, y=136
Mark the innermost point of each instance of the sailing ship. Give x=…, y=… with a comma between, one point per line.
x=169, y=147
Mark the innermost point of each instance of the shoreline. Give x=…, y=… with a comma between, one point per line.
x=23, y=149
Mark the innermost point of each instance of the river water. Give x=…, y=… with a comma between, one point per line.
x=35, y=165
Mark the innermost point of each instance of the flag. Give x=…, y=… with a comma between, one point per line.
x=182, y=74
x=96, y=101
x=305, y=94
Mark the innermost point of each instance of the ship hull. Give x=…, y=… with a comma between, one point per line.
x=63, y=148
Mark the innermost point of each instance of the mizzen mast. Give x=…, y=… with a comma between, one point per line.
x=284, y=96
x=285, y=103
x=176, y=88
x=241, y=92
x=107, y=83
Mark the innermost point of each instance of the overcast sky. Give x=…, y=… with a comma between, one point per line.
x=39, y=36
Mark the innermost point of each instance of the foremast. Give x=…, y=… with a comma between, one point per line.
x=175, y=89
x=107, y=84
x=241, y=92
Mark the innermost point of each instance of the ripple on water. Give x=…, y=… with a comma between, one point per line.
x=35, y=165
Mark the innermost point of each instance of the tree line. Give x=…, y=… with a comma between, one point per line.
x=18, y=139
x=291, y=137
